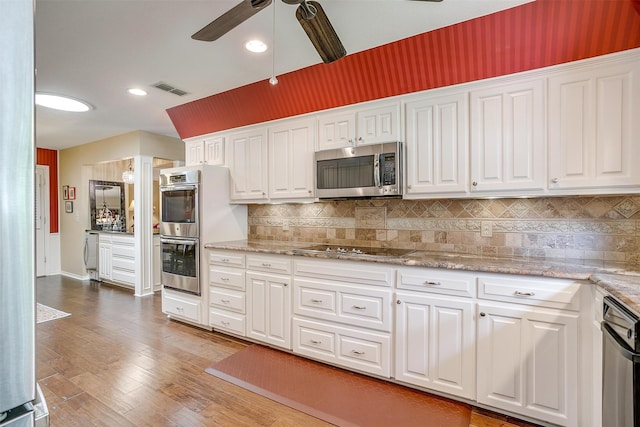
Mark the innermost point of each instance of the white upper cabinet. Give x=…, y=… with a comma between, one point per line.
x=291, y=148
x=594, y=127
x=336, y=130
x=359, y=127
x=436, y=146
x=248, y=165
x=209, y=150
x=508, y=138
x=378, y=125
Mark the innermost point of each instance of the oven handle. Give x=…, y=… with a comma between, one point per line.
x=178, y=188
x=621, y=346
x=179, y=242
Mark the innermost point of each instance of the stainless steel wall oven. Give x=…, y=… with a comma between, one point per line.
x=179, y=201
x=180, y=264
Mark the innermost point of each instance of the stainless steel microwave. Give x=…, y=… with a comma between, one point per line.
x=363, y=171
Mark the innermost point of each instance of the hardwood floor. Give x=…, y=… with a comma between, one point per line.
x=118, y=361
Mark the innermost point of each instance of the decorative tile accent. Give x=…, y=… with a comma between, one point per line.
x=627, y=207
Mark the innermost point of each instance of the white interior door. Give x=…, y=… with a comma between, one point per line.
x=42, y=219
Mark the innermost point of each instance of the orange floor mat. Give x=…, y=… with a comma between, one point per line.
x=334, y=395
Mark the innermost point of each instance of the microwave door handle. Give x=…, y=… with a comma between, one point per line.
x=376, y=170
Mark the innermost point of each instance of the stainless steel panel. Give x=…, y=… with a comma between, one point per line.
x=17, y=192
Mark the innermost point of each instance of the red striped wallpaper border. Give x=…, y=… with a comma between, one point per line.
x=49, y=158
x=534, y=35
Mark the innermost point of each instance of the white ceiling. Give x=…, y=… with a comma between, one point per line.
x=96, y=49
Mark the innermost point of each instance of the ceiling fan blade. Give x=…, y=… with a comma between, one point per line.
x=230, y=19
x=321, y=33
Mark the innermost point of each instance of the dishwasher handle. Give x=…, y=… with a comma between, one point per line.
x=620, y=344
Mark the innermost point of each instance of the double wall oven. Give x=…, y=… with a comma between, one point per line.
x=179, y=230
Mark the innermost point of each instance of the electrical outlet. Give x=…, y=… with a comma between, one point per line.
x=486, y=229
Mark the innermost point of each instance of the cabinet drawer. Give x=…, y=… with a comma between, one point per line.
x=531, y=291
x=227, y=299
x=363, y=306
x=123, y=276
x=272, y=264
x=227, y=258
x=226, y=321
x=345, y=271
x=232, y=278
x=353, y=348
x=436, y=281
x=181, y=307
x=123, y=251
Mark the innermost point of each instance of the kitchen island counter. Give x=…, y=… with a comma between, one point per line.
x=620, y=279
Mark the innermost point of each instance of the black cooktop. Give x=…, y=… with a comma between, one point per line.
x=358, y=250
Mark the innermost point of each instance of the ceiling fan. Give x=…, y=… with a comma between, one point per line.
x=309, y=13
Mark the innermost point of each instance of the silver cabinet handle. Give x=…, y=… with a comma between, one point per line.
x=225, y=323
x=266, y=264
x=555, y=180
x=524, y=294
x=224, y=279
x=224, y=260
x=430, y=283
x=315, y=342
x=398, y=302
x=482, y=314
x=359, y=307
x=225, y=301
x=474, y=183
x=356, y=352
x=316, y=301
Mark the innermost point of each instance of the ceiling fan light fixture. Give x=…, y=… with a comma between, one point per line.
x=62, y=103
x=256, y=46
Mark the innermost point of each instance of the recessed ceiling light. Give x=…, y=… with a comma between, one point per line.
x=257, y=46
x=137, y=92
x=61, y=102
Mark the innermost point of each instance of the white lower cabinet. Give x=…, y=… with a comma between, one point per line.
x=528, y=361
x=117, y=259
x=182, y=306
x=435, y=343
x=269, y=308
x=227, y=297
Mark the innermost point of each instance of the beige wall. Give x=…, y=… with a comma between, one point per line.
x=77, y=165
x=588, y=228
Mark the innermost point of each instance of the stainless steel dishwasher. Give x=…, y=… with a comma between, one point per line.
x=621, y=365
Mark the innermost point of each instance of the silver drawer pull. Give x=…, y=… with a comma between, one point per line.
x=359, y=307
x=429, y=283
x=224, y=279
x=315, y=342
x=224, y=301
x=266, y=264
x=225, y=323
x=316, y=301
x=225, y=260
x=524, y=294
x=358, y=353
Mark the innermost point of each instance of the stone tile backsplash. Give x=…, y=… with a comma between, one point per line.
x=587, y=227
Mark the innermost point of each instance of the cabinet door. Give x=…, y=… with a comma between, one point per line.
x=291, y=148
x=436, y=145
x=214, y=150
x=508, y=138
x=105, y=260
x=269, y=309
x=336, y=130
x=528, y=362
x=378, y=125
x=193, y=153
x=248, y=165
x=435, y=343
x=594, y=127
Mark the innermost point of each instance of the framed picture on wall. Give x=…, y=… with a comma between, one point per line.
x=65, y=192
x=72, y=193
x=68, y=206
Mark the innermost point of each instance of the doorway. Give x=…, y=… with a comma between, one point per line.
x=42, y=219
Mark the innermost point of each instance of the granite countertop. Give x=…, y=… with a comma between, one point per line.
x=619, y=279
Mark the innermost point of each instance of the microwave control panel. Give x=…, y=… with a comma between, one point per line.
x=388, y=168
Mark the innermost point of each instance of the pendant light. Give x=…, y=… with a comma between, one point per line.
x=128, y=176
x=273, y=80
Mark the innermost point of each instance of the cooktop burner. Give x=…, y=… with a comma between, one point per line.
x=358, y=250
